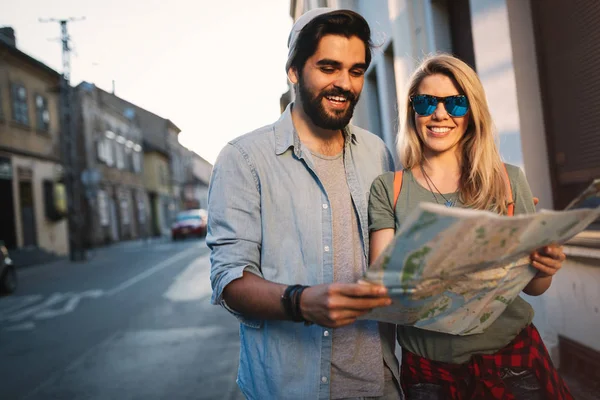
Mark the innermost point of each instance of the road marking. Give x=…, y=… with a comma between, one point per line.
x=13, y=303
x=162, y=265
x=193, y=283
x=45, y=309
x=70, y=304
x=58, y=304
x=26, y=326
x=50, y=301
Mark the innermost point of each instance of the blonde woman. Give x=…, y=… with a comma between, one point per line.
x=449, y=155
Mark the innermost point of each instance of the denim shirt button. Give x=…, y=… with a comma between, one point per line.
x=325, y=206
x=326, y=333
x=324, y=379
x=326, y=248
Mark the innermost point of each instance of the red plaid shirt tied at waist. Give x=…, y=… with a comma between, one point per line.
x=480, y=378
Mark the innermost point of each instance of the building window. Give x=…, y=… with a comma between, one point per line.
x=372, y=95
x=100, y=148
x=110, y=152
x=124, y=210
x=20, y=111
x=129, y=154
x=137, y=158
x=106, y=149
x=141, y=211
x=175, y=166
x=42, y=115
x=103, y=208
x=120, y=152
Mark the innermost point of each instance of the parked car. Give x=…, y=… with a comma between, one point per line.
x=189, y=223
x=8, y=272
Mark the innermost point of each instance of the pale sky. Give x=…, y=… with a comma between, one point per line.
x=215, y=68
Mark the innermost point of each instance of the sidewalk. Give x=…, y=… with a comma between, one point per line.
x=35, y=256
x=133, y=243
x=32, y=256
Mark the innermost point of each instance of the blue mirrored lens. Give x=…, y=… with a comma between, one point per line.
x=424, y=105
x=457, y=106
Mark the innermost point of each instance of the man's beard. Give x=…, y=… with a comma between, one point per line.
x=313, y=107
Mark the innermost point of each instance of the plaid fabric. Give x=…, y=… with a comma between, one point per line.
x=480, y=377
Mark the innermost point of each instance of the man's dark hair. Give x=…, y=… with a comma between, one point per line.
x=345, y=23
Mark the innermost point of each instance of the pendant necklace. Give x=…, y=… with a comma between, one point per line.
x=429, y=181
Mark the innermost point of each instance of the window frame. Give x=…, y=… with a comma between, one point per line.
x=103, y=208
x=39, y=115
x=137, y=158
x=23, y=109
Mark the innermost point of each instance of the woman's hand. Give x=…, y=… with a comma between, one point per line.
x=547, y=260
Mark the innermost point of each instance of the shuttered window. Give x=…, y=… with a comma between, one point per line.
x=568, y=45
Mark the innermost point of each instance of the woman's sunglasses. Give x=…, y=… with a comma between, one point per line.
x=425, y=105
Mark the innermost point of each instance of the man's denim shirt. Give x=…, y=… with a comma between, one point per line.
x=269, y=214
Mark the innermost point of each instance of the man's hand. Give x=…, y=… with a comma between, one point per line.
x=338, y=304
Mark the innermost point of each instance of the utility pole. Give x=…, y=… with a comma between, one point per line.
x=69, y=147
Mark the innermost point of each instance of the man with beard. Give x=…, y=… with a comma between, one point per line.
x=288, y=230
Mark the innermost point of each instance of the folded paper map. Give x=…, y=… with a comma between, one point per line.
x=455, y=270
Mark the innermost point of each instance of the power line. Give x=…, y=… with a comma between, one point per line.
x=69, y=145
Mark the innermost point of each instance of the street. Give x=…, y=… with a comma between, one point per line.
x=133, y=322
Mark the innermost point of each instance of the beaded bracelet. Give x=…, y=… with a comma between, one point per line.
x=291, y=303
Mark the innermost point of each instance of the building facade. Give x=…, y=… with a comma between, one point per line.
x=179, y=163
x=156, y=182
x=116, y=203
x=196, y=187
x=160, y=144
x=537, y=61
x=32, y=196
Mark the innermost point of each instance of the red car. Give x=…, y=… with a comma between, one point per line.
x=189, y=223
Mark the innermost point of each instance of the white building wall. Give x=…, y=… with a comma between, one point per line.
x=380, y=88
x=529, y=101
x=495, y=67
x=438, y=22
x=378, y=108
x=402, y=21
x=572, y=304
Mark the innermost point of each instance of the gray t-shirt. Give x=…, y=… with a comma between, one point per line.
x=357, y=368
x=435, y=345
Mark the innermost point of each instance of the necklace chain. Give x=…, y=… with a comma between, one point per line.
x=430, y=182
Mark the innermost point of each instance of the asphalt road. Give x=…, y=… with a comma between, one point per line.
x=133, y=322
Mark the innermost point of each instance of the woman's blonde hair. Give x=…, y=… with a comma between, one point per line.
x=483, y=183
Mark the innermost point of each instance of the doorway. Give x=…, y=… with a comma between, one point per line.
x=7, y=214
x=27, y=214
